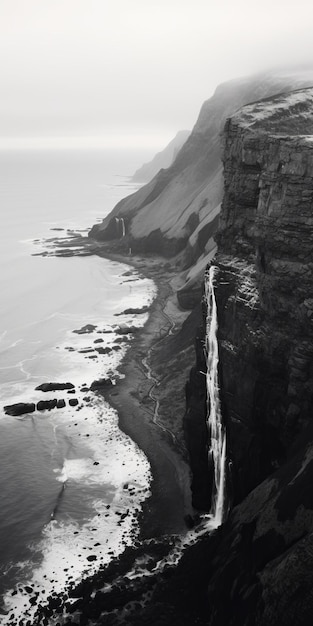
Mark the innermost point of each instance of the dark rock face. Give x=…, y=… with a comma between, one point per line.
x=260, y=571
x=265, y=284
x=195, y=429
x=102, y=383
x=54, y=386
x=47, y=405
x=177, y=211
x=20, y=408
x=262, y=559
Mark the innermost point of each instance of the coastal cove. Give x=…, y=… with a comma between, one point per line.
x=164, y=540
x=155, y=518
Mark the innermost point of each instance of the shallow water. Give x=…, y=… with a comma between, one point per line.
x=71, y=482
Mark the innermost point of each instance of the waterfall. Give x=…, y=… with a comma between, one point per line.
x=120, y=225
x=123, y=226
x=217, y=434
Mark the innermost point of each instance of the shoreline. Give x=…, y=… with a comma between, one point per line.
x=164, y=512
x=165, y=515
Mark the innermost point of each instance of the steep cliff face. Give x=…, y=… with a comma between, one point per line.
x=260, y=570
x=265, y=284
x=177, y=212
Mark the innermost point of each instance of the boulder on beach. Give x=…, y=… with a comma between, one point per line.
x=101, y=383
x=20, y=408
x=103, y=350
x=73, y=402
x=88, y=328
x=138, y=311
x=46, y=405
x=125, y=330
x=54, y=386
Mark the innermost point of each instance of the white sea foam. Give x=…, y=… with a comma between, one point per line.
x=110, y=459
x=115, y=462
x=43, y=301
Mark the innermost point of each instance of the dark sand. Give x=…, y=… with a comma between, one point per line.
x=170, y=502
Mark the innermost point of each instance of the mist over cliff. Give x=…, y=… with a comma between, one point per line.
x=162, y=159
x=176, y=213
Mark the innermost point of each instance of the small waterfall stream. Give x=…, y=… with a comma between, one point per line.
x=120, y=226
x=217, y=434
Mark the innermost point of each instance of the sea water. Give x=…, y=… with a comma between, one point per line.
x=71, y=483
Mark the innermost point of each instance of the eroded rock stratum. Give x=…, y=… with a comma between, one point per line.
x=262, y=562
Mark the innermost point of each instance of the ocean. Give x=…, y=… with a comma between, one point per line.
x=71, y=483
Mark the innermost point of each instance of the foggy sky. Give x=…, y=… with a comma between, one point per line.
x=119, y=72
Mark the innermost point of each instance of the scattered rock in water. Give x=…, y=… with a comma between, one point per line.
x=73, y=402
x=86, y=350
x=20, y=408
x=103, y=350
x=56, y=228
x=116, y=348
x=88, y=328
x=99, y=340
x=125, y=330
x=101, y=383
x=92, y=557
x=128, y=273
x=54, y=386
x=61, y=404
x=46, y=405
x=138, y=311
x=71, y=391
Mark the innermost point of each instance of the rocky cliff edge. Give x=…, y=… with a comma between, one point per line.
x=261, y=564
x=177, y=211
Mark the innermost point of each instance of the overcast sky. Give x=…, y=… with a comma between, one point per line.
x=119, y=72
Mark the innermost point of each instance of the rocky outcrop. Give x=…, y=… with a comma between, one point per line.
x=260, y=570
x=177, y=211
x=261, y=561
x=162, y=159
x=265, y=283
x=19, y=408
x=54, y=386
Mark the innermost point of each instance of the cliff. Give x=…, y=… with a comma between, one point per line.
x=177, y=211
x=261, y=561
x=162, y=159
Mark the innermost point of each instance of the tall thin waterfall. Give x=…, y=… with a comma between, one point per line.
x=123, y=226
x=217, y=434
x=120, y=224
